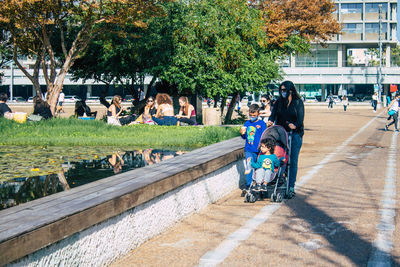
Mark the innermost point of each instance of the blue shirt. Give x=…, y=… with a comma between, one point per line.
x=253, y=134
x=267, y=162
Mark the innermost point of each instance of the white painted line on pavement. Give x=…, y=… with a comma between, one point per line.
x=383, y=243
x=219, y=254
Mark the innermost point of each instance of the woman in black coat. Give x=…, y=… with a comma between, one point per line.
x=288, y=111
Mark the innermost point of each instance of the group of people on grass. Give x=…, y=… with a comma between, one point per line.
x=158, y=110
x=40, y=108
x=288, y=112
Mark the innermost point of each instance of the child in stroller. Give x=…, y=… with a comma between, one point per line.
x=269, y=177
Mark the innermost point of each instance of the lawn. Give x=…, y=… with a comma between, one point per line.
x=73, y=132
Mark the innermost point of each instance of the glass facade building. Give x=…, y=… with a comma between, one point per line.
x=349, y=63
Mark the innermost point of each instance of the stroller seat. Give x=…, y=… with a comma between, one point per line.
x=277, y=189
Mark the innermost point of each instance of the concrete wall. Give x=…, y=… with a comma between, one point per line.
x=165, y=194
x=105, y=242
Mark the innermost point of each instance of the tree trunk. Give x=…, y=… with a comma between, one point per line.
x=231, y=108
x=149, y=87
x=33, y=78
x=223, y=104
x=79, y=44
x=103, y=100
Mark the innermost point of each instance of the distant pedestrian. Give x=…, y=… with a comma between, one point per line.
x=375, y=101
x=265, y=110
x=330, y=101
x=238, y=103
x=61, y=97
x=345, y=103
x=393, y=111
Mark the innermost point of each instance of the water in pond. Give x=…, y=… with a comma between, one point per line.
x=28, y=173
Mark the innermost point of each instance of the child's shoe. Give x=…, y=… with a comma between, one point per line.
x=244, y=192
x=386, y=127
x=264, y=187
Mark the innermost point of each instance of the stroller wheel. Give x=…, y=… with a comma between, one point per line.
x=279, y=197
x=247, y=197
x=253, y=198
x=273, y=197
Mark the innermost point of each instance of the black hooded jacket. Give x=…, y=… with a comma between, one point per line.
x=283, y=115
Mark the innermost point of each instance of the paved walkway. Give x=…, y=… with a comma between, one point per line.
x=343, y=214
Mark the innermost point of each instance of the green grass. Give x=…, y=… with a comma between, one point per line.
x=73, y=132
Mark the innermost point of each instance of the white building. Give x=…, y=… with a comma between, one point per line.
x=345, y=66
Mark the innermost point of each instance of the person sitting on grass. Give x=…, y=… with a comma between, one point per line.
x=187, y=114
x=165, y=111
x=149, y=110
x=266, y=163
x=82, y=109
x=114, y=116
x=5, y=110
x=41, y=108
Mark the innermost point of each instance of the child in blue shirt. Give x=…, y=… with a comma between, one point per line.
x=251, y=132
x=266, y=163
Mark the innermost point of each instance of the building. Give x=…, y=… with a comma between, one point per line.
x=15, y=83
x=349, y=64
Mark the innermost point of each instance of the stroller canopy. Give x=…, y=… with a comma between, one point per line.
x=278, y=133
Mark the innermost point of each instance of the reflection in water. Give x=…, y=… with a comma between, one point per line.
x=15, y=190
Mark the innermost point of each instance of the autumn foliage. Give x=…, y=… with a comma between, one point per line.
x=312, y=20
x=37, y=27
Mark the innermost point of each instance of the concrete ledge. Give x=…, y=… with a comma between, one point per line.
x=96, y=223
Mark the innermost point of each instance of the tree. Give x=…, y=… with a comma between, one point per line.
x=126, y=55
x=395, y=58
x=220, y=50
x=309, y=20
x=5, y=50
x=33, y=23
x=230, y=47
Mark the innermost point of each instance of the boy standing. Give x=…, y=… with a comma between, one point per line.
x=251, y=132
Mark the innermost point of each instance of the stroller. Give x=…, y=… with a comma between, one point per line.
x=278, y=188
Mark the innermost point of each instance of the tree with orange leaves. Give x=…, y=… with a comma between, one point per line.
x=304, y=20
x=34, y=24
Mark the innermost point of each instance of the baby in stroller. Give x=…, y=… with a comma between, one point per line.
x=266, y=164
x=270, y=166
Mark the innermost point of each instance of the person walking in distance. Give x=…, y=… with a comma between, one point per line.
x=375, y=101
x=61, y=97
x=288, y=111
x=345, y=103
x=330, y=101
x=393, y=111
